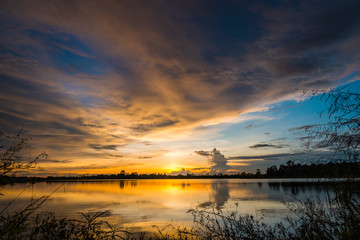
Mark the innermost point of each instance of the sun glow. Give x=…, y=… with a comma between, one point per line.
x=174, y=154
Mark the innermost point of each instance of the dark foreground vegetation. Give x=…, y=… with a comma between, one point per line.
x=336, y=218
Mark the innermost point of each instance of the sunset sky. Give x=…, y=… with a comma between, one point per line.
x=171, y=86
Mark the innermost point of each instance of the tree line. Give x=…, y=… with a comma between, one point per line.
x=315, y=170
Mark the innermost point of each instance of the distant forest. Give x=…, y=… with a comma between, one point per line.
x=317, y=170
x=289, y=170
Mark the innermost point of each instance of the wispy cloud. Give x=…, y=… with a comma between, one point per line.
x=267, y=145
x=304, y=156
x=103, y=147
x=203, y=153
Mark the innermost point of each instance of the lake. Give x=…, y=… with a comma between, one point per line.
x=139, y=204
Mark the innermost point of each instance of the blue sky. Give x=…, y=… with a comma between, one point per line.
x=171, y=86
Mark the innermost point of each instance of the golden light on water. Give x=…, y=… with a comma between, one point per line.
x=139, y=204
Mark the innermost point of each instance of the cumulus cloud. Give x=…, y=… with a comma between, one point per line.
x=217, y=160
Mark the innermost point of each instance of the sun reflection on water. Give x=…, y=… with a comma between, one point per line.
x=143, y=203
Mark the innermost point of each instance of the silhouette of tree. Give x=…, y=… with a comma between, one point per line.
x=342, y=132
x=12, y=157
x=272, y=171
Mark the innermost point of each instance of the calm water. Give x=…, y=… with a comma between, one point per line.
x=139, y=204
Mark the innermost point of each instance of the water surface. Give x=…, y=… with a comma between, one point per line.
x=139, y=204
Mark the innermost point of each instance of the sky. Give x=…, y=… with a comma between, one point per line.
x=171, y=86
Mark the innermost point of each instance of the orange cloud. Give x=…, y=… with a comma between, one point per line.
x=90, y=79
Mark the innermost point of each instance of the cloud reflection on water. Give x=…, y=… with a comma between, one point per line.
x=140, y=203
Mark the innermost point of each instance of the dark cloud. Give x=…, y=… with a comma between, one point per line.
x=267, y=145
x=148, y=127
x=119, y=136
x=205, y=204
x=335, y=23
x=248, y=127
x=307, y=155
x=115, y=156
x=103, y=147
x=58, y=171
x=279, y=139
x=48, y=160
x=145, y=157
x=203, y=153
x=79, y=167
x=90, y=124
x=310, y=142
x=301, y=128
x=290, y=56
x=324, y=144
x=288, y=66
x=305, y=138
x=266, y=157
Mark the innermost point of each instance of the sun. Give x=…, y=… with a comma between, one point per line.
x=172, y=159
x=172, y=167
